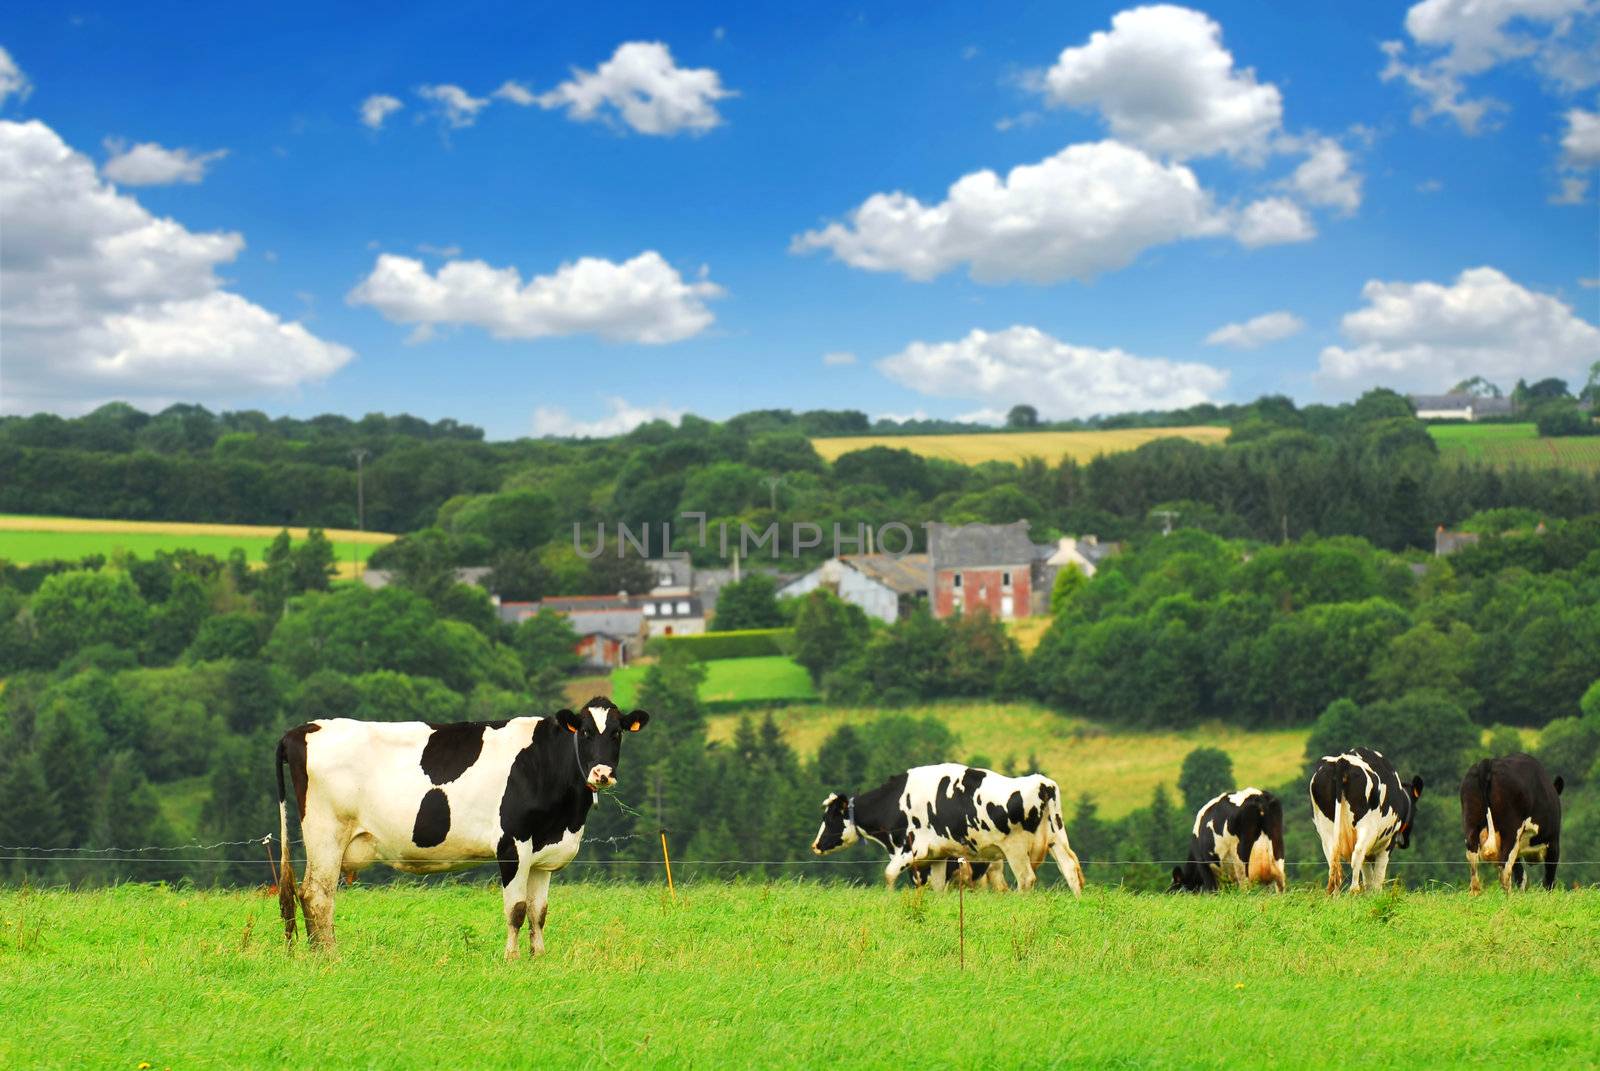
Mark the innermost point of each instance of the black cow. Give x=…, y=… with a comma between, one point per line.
x=1361, y=811
x=1237, y=839
x=1511, y=797
x=429, y=798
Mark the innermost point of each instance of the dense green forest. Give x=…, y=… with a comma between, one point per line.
x=145, y=695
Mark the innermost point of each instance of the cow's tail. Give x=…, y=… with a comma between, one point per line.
x=1060, y=849
x=287, y=896
x=1344, y=840
x=1489, y=838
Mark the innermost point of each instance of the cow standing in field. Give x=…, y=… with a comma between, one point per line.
x=426, y=799
x=1361, y=811
x=1510, y=808
x=1238, y=839
x=951, y=811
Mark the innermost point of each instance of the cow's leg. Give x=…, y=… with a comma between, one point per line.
x=1552, y=856
x=1380, y=869
x=514, y=868
x=1328, y=834
x=1474, y=886
x=1511, y=867
x=1358, y=859
x=936, y=876
x=325, y=847
x=538, y=908
x=995, y=876
x=1021, y=865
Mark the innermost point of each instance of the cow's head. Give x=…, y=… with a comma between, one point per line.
x=1408, y=812
x=838, y=825
x=1187, y=878
x=597, y=738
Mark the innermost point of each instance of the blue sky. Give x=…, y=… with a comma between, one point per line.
x=1182, y=169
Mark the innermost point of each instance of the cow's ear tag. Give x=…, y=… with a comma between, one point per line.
x=636, y=720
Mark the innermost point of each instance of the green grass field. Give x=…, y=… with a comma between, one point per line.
x=801, y=975
x=773, y=677
x=1507, y=445
x=1016, y=446
x=31, y=539
x=1120, y=768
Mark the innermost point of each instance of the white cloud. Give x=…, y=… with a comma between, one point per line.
x=1257, y=331
x=452, y=104
x=641, y=85
x=1088, y=209
x=1163, y=81
x=1460, y=39
x=449, y=252
x=1581, y=142
x=101, y=299
x=622, y=418
x=1325, y=178
x=1023, y=364
x=901, y=418
x=515, y=93
x=1432, y=185
x=837, y=358
x=1574, y=191
x=1273, y=221
x=378, y=107
x=1425, y=336
x=639, y=300
x=1589, y=282
x=148, y=164
x=13, y=83
x=993, y=417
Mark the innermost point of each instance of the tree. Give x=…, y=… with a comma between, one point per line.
x=1022, y=416
x=1591, y=387
x=1091, y=837
x=1546, y=390
x=841, y=764
x=1562, y=417
x=174, y=623
x=30, y=811
x=670, y=691
x=1163, y=831
x=236, y=635
x=313, y=564
x=1207, y=773
x=748, y=603
x=1422, y=732
x=519, y=575
x=546, y=641
x=827, y=631
x=1568, y=748
x=79, y=609
x=1069, y=581
x=1478, y=387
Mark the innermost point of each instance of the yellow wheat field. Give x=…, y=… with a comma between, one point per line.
x=1051, y=446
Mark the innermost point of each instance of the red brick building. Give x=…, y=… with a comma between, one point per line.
x=982, y=565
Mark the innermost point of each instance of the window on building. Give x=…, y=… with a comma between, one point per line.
x=1005, y=580
x=683, y=608
x=666, y=609
x=957, y=581
x=649, y=609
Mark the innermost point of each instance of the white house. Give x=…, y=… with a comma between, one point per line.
x=881, y=584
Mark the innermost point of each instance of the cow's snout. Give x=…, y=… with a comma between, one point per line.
x=601, y=777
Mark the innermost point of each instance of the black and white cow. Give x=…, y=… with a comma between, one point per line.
x=1361, y=811
x=951, y=811
x=1511, y=809
x=428, y=798
x=973, y=874
x=1238, y=840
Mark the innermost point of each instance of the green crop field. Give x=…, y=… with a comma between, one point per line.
x=772, y=677
x=802, y=975
x=1507, y=445
x=31, y=539
x=1120, y=768
x=1052, y=446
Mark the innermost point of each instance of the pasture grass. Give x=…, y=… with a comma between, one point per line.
x=802, y=975
x=1122, y=769
x=744, y=680
x=25, y=539
x=1508, y=445
x=1017, y=446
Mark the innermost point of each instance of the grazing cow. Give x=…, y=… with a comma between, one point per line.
x=1361, y=811
x=428, y=798
x=951, y=811
x=1511, y=798
x=1238, y=839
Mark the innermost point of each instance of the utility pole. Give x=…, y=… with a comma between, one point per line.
x=1167, y=517
x=772, y=483
x=360, y=455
